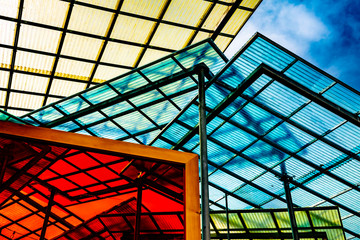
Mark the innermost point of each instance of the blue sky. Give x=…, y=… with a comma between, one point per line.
x=325, y=33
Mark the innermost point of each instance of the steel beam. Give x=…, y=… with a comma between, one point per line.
x=138, y=211
x=47, y=213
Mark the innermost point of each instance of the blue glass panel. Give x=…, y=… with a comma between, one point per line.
x=148, y=137
x=225, y=180
x=190, y=116
x=289, y=137
x=217, y=154
x=318, y=185
x=257, y=86
x=182, y=100
x=321, y=154
x=265, y=154
x=175, y=132
x=117, y=108
x=90, y=118
x=281, y=99
x=316, y=118
x=275, y=203
x=307, y=76
x=347, y=136
x=349, y=171
x=129, y=82
x=161, y=144
x=233, y=137
x=99, y=94
x=270, y=182
x=160, y=70
x=234, y=204
x=108, y=130
x=215, y=194
x=233, y=75
x=161, y=113
x=215, y=94
x=353, y=224
x=189, y=145
x=297, y=169
x=146, y=97
x=72, y=105
x=47, y=115
x=255, y=119
x=243, y=168
x=68, y=126
x=344, y=97
x=349, y=199
x=303, y=198
x=178, y=86
x=253, y=194
x=134, y=122
x=29, y=121
x=233, y=107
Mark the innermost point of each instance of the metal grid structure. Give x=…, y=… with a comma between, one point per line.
x=49, y=187
x=50, y=49
x=259, y=117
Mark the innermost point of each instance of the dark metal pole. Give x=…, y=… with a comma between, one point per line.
x=227, y=216
x=4, y=157
x=205, y=217
x=138, y=211
x=47, y=213
x=285, y=178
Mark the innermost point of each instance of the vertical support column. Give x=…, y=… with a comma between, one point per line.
x=47, y=213
x=285, y=178
x=138, y=211
x=227, y=216
x=205, y=217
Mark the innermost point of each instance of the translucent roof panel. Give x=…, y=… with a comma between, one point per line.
x=94, y=41
x=134, y=106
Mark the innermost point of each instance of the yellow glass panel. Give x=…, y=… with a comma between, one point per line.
x=132, y=29
x=250, y=3
x=50, y=12
x=17, y=113
x=82, y=47
x=89, y=20
x=51, y=100
x=9, y=8
x=2, y=97
x=171, y=37
x=29, y=83
x=5, y=57
x=104, y=73
x=7, y=32
x=73, y=69
x=188, y=12
x=4, y=78
x=201, y=36
x=236, y=21
x=65, y=88
x=120, y=54
x=25, y=100
x=143, y=7
x=222, y=42
x=107, y=3
x=215, y=17
x=33, y=62
x=152, y=55
x=38, y=38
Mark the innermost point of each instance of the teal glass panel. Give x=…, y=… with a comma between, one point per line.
x=218, y=154
x=148, y=137
x=225, y=181
x=344, y=97
x=134, y=122
x=4, y=116
x=108, y=130
x=161, y=113
x=178, y=86
x=160, y=70
x=271, y=183
x=47, y=115
x=68, y=126
x=128, y=83
x=99, y=94
x=303, y=198
x=90, y=118
x=253, y=194
x=215, y=94
x=121, y=107
x=318, y=186
x=347, y=136
x=72, y=105
x=349, y=171
x=243, y=168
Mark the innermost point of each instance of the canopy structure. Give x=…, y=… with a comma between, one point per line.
x=270, y=114
x=50, y=49
x=53, y=181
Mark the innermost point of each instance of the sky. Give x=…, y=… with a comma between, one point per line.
x=324, y=32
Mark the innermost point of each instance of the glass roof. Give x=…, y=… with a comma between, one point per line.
x=50, y=49
x=259, y=116
x=312, y=223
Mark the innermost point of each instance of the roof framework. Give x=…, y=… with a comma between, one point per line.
x=259, y=116
x=44, y=48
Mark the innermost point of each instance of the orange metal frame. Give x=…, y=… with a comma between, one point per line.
x=79, y=141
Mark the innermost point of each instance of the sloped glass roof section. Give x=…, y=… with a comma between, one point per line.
x=50, y=49
x=266, y=106
x=312, y=223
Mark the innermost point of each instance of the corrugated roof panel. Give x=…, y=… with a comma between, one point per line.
x=214, y=19
x=9, y=8
x=250, y=3
x=64, y=88
x=303, y=198
x=253, y=194
x=80, y=46
x=188, y=12
x=331, y=218
x=199, y=36
x=73, y=69
x=29, y=83
x=120, y=54
x=349, y=171
x=258, y=220
x=319, y=185
x=8, y=32
x=347, y=136
x=350, y=199
x=171, y=37
x=53, y=12
x=100, y=94
x=298, y=169
x=132, y=29
x=146, y=8
x=5, y=57
x=225, y=180
x=32, y=62
x=344, y=97
x=25, y=100
x=48, y=115
x=4, y=79
x=3, y=97
x=134, y=122
x=151, y=55
x=89, y=20
x=38, y=38
x=236, y=21
x=108, y=3
x=222, y=42
x=243, y=168
x=104, y=73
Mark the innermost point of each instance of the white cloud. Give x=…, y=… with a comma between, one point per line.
x=293, y=26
